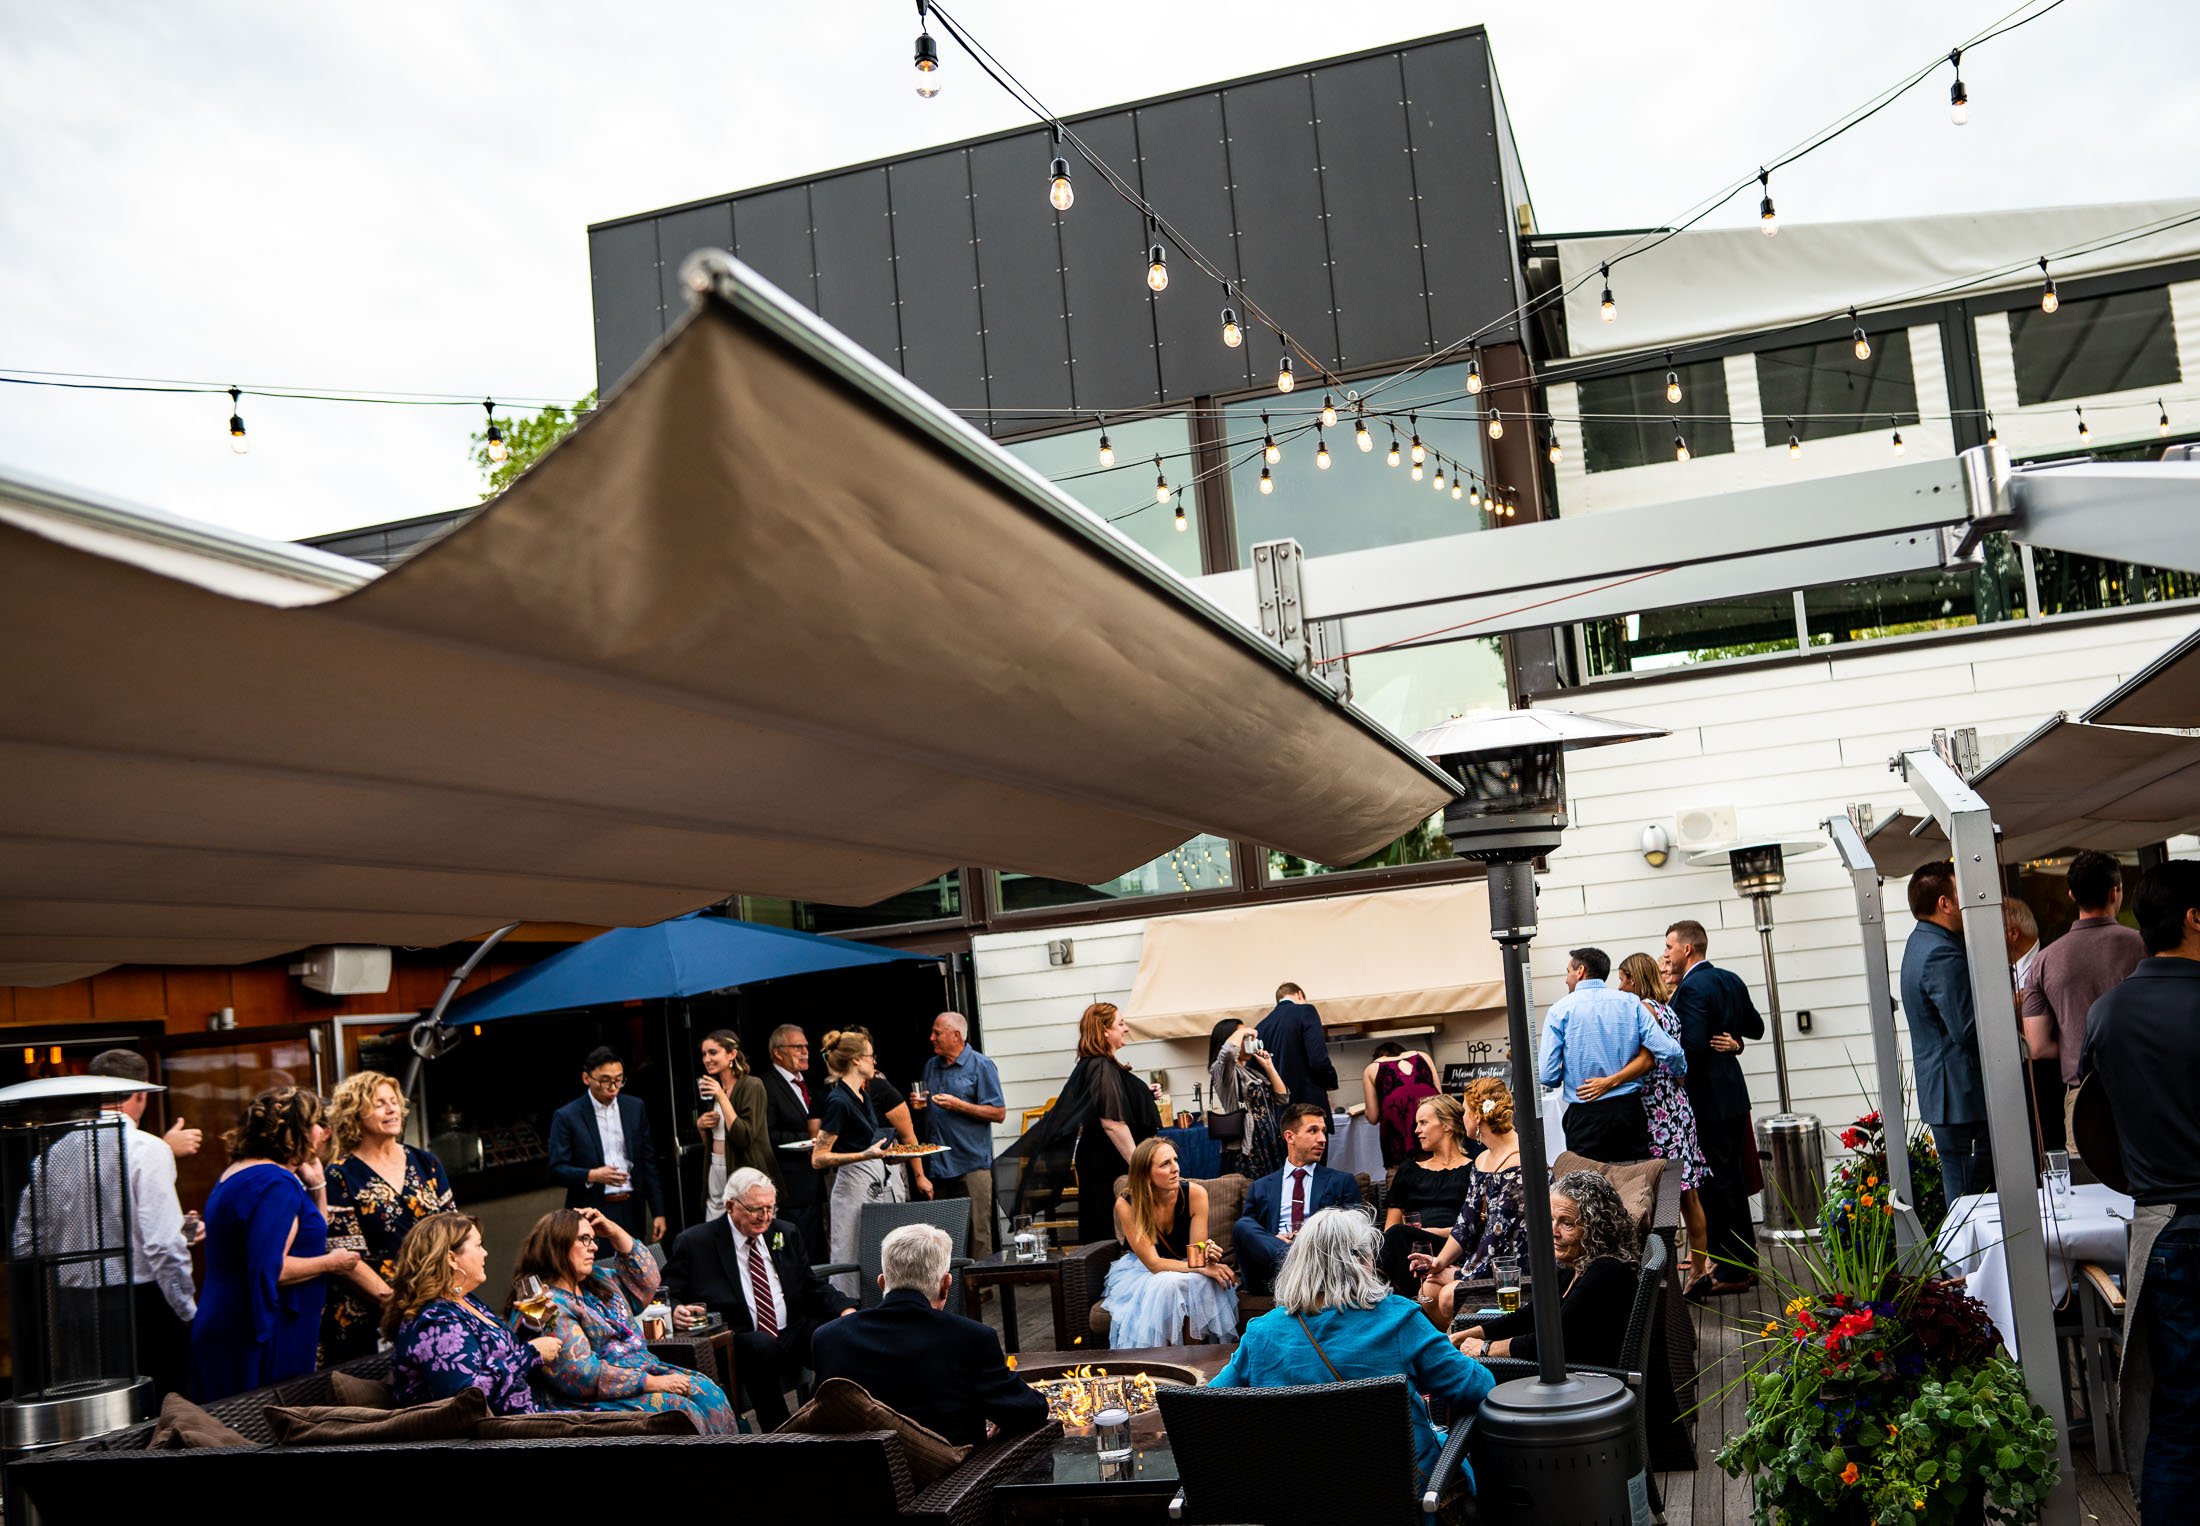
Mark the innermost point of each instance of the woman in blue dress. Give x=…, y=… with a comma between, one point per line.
x=602, y=1360
x=1155, y=1295
x=267, y=1254
x=442, y=1338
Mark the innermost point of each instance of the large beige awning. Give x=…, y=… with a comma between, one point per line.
x=770, y=621
x=2070, y=785
x=2166, y=692
x=1371, y=958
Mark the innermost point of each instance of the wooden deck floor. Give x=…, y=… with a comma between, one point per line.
x=1707, y=1496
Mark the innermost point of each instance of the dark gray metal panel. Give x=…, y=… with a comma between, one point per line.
x=771, y=233
x=1187, y=176
x=1466, y=225
x=854, y=237
x=622, y=280
x=1020, y=279
x=1282, y=247
x=680, y=234
x=1374, y=231
x=937, y=272
x=1104, y=265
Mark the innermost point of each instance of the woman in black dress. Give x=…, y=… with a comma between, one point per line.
x=1425, y=1192
x=1599, y=1260
x=1122, y=1117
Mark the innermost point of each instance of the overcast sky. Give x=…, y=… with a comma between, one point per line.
x=395, y=197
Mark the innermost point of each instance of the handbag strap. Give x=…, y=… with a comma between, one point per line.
x=1317, y=1345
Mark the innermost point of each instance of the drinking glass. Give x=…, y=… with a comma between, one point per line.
x=533, y=1303
x=1022, y=1237
x=2057, y=1178
x=1507, y=1269
x=1111, y=1430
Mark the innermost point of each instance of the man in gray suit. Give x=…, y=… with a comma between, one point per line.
x=1936, y=999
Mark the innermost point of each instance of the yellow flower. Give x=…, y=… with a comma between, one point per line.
x=1890, y=1433
x=1771, y=1325
x=1917, y=1504
x=1871, y=1181
x=1867, y=1200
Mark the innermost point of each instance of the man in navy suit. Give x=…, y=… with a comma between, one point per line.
x=1716, y=1016
x=939, y=1369
x=1936, y=998
x=1292, y=1035
x=600, y=1149
x=1277, y=1205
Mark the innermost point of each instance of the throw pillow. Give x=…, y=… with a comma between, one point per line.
x=183, y=1426
x=843, y=1408
x=350, y=1425
x=565, y=1424
x=1636, y=1184
x=357, y=1392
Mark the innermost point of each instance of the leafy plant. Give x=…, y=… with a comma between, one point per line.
x=1867, y=1168
x=525, y=440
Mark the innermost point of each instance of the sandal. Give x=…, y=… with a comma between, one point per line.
x=1699, y=1290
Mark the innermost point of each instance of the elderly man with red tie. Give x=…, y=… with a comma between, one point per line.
x=1275, y=1206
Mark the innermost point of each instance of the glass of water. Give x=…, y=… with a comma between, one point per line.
x=1111, y=1432
x=2057, y=1178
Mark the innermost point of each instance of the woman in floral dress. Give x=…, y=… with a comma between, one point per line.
x=1492, y=1219
x=1672, y=1120
x=378, y=1189
x=442, y=1338
x=603, y=1362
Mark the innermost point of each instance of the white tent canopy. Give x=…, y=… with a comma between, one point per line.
x=770, y=621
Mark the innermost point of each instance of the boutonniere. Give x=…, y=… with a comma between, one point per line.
x=779, y=1241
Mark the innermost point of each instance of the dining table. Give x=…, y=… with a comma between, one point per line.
x=1973, y=1242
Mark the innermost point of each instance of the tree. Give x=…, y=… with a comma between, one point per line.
x=525, y=439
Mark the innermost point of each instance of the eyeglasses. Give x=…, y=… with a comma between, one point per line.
x=609, y=1083
x=587, y=1240
x=759, y=1210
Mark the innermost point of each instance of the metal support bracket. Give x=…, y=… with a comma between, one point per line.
x=1871, y=921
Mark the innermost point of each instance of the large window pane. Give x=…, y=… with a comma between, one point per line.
x=1759, y=626
x=2093, y=345
x=1425, y=844
x=1123, y=495
x=1627, y=421
x=1827, y=391
x=1201, y=864
x=2073, y=584
x=932, y=901
x=1359, y=501
x=1919, y=601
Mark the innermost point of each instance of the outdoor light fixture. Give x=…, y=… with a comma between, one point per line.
x=497, y=448
x=1474, y=493
x=237, y=441
x=1285, y=381
x=1862, y=345
x=2162, y=424
x=1160, y=482
x=1157, y=268
x=1680, y=447
x=1366, y=441
x=1657, y=846
x=1672, y=380
x=1767, y=219
x=1392, y=458
x=1267, y=482
x=1897, y=435
x=1419, y=471
x=1439, y=474
x=1321, y=449
x=1420, y=451
x=1107, y=451
x=1060, y=192
x=1329, y=412
x=1553, y=451
x=1610, y=308
x=1795, y=443
x=1232, y=335
x=1993, y=435
x=928, y=56
x=2085, y=430
x=1270, y=451
x=1457, y=492
x=1474, y=374
x=1959, y=99
x=1497, y=425
x=1565, y=1446
x=1181, y=526
x=2048, y=300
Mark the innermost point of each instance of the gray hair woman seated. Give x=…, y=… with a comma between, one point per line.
x=1599, y=1257
x=1336, y=1318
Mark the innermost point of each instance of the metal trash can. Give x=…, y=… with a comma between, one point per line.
x=1793, y=1151
x=1564, y=1456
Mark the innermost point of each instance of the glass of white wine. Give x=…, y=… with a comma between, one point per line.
x=533, y=1304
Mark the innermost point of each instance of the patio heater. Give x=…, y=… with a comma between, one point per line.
x=1558, y=1448
x=1792, y=1142
x=65, y=1214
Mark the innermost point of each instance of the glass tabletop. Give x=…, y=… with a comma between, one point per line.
x=1073, y=1464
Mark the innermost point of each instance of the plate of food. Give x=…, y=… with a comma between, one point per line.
x=912, y=1151
x=796, y=1144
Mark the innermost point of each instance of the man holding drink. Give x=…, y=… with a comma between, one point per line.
x=600, y=1150
x=961, y=1090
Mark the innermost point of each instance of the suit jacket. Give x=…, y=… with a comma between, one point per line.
x=939, y=1369
x=1710, y=1000
x=576, y=1148
x=702, y=1268
x=1936, y=999
x=1263, y=1218
x=1293, y=1035
x=788, y=1120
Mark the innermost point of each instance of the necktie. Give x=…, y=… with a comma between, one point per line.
x=1298, y=1198
x=803, y=1087
x=760, y=1291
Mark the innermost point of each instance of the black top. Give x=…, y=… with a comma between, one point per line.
x=851, y=1120
x=1116, y=1094
x=1592, y=1315
x=2142, y=1042
x=1434, y=1195
x=884, y=1095
x=1172, y=1243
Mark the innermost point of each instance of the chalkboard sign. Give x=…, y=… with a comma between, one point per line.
x=1483, y=1059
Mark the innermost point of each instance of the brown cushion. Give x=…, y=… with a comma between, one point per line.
x=356, y=1392
x=183, y=1426
x=1225, y=1205
x=349, y=1425
x=564, y=1424
x=1636, y=1183
x=843, y=1408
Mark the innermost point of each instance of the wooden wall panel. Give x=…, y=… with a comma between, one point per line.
x=133, y=993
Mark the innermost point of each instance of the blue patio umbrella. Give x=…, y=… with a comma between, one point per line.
x=684, y=956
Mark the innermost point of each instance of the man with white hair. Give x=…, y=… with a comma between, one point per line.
x=963, y=1096
x=752, y=1269
x=939, y=1369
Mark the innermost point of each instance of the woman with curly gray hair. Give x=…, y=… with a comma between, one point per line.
x=1599, y=1256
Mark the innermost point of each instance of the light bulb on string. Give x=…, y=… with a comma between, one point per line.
x=2048, y=300
x=1857, y=339
x=1897, y=423
x=2085, y=430
x=1181, y=524
x=1497, y=425
x=498, y=451
x=1959, y=99
x=1285, y=381
x=1474, y=493
x=1360, y=436
x=1420, y=451
x=1321, y=449
x=1161, y=488
x=1474, y=373
x=1392, y=458
x=1993, y=435
x=1767, y=219
x=1795, y=442
x=1458, y=491
x=1607, y=305
x=1267, y=481
x=1060, y=193
x=1107, y=450
x=928, y=57
x=1551, y=446
x=1680, y=447
x=1157, y=267
x=1232, y=335
x=1329, y=412
x=1419, y=471
x=1672, y=380
x=2162, y=424
x=1269, y=449
x=237, y=441
x=1440, y=479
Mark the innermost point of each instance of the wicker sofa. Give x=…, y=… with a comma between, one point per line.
x=84, y=1484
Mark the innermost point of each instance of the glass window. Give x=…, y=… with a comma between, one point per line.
x=2092, y=345
x=2072, y=584
x=1201, y=864
x=1759, y=626
x=1360, y=501
x=933, y=901
x=1828, y=391
x=1627, y=421
x=1919, y=601
x=1425, y=844
x=1123, y=494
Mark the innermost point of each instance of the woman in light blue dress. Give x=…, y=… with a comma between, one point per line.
x=1155, y=1296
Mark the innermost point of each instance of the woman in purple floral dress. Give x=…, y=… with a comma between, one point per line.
x=1665, y=1100
x=603, y=1362
x=442, y=1338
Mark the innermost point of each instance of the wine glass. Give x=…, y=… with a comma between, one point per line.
x=533, y=1304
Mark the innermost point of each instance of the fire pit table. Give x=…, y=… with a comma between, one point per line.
x=1069, y=1479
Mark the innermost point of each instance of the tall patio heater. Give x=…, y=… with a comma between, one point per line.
x=1560, y=1449
x=65, y=1211
x=1793, y=1143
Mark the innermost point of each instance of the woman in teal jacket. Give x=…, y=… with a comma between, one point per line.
x=1331, y=1290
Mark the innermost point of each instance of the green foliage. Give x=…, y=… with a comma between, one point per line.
x=1867, y=1168
x=525, y=439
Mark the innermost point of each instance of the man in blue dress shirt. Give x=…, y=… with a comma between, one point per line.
x=1936, y=1000
x=963, y=1096
x=1598, y=1042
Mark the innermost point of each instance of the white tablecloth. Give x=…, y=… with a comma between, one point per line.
x=1355, y=1145
x=1973, y=1243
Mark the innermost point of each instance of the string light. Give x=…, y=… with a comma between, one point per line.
x=237, y=441
x=1267, y=482
x=1474, y=373
x=1321, y=449
x=1329, y=412
x=1993, y=435
x=1232, y=335
x=1609, y=307
x=1766, y=218
x=1672, y=380
x=1897, y=423
x=2162, y=424
x=498, y=451
x=1440, y=484
x=928, y=56
x=1857, y=339
x=1392, y=458
x=1552, y=449
x=1157, y=267
x=1680, y=447
x=1420, y=451
x=1285, y=381
x=1107, y=451
x=1181, y=524
x=1474, y=493
x=1497, y=425
x=1269, y=449
x=2085, y=430
x=1959, y=99
x=1160, y=482
x=1795, y=442
x=1457, y=492
x=2048, y=300
x=1419, y=471
x=1059, y=191
x=1360, y=436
